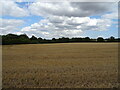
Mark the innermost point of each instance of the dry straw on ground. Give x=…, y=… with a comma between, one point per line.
x=72, y=65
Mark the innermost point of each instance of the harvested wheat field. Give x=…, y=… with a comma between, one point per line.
x=70, y=65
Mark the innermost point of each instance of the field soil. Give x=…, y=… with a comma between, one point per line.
x=70, y=65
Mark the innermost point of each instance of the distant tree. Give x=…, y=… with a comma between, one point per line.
x=0, y=39
x=76, y=39
x=10, y=39
x=33, y=38
x=111, y=39
x=87, y=39
x=24, y=39
x=24, y=36
x=93, y=40
x=40, y=40
x=118, y=39
x=53, y=39
x=65, y=39
x=12, y=36
x=100, y=39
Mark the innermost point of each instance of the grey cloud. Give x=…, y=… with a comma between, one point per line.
x=70, y=9
x=88, y=8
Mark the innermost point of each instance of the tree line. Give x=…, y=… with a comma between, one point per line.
x=24, y=39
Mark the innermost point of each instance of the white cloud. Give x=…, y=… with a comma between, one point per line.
x=66, y=26
x=63, y=19
x=9, y=25
x=10, y=8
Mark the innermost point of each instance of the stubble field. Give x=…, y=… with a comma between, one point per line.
x=70, y=65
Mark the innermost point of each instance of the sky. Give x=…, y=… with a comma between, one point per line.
x=59, y=19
